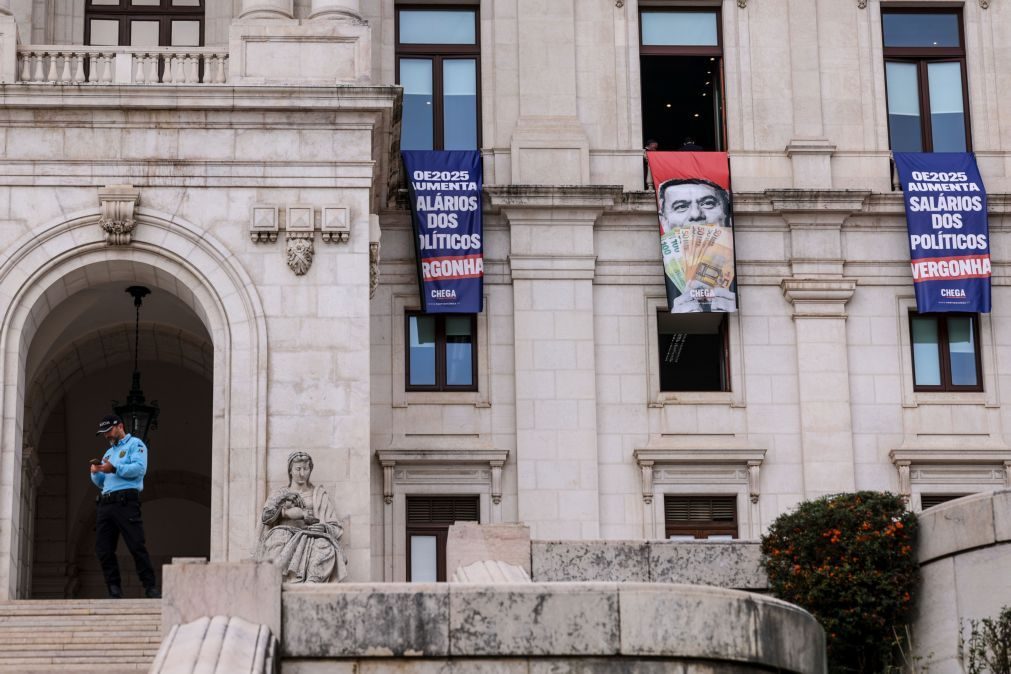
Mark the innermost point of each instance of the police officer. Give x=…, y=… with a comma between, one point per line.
x=120, y=476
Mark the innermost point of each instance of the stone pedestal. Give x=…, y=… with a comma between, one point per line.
x=469, y=542
x=293, y=53
x=193, y=589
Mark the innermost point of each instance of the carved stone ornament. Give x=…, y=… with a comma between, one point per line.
x=300, y=252
x=373, y=268
x=742, y=3
x=116, y=204
x=862, y=4
x=985, y=4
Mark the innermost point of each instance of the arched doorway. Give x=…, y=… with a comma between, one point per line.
x=50, y=267
x=80, y=360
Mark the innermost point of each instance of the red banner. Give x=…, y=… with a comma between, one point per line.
x=696, y=230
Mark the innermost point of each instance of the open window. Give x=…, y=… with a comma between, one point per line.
x=681, y=69
x=693, y=351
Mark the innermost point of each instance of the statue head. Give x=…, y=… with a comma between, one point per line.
x=299, y=468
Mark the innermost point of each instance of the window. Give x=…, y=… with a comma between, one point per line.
x=690, y=518
x=144, y=23
x=925, y=80
x=693, y=351
x=438, y=61
x=946, y=354
x=931, y=500
x=681, y=69
x=428, y=522
x=441, y=352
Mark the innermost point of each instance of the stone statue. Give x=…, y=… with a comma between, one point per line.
x=300, y=530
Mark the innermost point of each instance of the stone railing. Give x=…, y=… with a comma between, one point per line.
x=121, y=65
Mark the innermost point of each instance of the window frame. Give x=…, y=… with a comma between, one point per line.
x=440, y=354
x=921, y=57
x=438, y=53
x=715, y=52
x=702, y=529
x=944, y=356
x=164, y=13
x=434, y=528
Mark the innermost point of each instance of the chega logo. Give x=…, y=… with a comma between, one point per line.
x=952, y=292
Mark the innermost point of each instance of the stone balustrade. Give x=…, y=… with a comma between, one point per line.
x=49, y=64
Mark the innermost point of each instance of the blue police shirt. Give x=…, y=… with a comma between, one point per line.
x=129, y=456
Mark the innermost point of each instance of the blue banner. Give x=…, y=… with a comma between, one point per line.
x=446, y=206
x=949, y=237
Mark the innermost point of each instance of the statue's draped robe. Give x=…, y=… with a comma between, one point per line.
x=305, y=553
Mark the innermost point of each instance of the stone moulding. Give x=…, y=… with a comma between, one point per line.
x=493, y=458
x=117, y=204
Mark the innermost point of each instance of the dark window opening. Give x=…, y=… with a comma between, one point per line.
x=700, y=517
x=946, y=353
x=925, y=79
x=681, y=101
x=693, y=352
x=428, y=522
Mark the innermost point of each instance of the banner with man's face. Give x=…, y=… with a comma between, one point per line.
x=696, y=230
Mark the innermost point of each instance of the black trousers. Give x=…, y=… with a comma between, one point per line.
x=119, y=515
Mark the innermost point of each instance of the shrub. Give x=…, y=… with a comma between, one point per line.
x=989, y=646
x=849, y=560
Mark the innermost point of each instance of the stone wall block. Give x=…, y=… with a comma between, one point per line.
x=958, y=525
x=706, y=622
x=196, y=589
x=390, y=620
x=470, y=542
x=593, y=561
x=533, y=619
x=735, y=565
x=1002, y=515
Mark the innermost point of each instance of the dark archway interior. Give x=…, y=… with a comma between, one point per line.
x=85, y=367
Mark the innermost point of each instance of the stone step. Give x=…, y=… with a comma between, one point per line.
x=79, y=632
x=43, y=643
x=80, y=668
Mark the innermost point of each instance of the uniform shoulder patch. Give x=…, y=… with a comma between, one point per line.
x=122, y=454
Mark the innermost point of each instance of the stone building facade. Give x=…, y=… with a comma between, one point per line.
x=253, y=182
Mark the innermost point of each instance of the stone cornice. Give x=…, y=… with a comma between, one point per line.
x=202, y=96
x=570, y=197
x=817, y=201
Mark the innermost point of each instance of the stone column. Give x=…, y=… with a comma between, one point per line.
x=552, y=263
x=335, y=9
x=266, y=9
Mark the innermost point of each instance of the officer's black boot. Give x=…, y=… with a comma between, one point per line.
x=115, y=592
x=152, y=592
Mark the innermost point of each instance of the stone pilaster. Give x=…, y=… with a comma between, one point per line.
x=818, y=293
x=267, y=9
x=552, y=263
x=809, y=150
